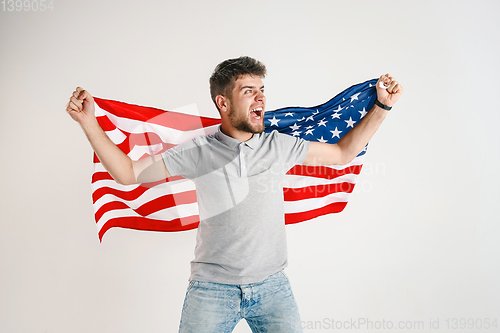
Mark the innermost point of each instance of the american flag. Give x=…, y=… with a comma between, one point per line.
x=171, y=205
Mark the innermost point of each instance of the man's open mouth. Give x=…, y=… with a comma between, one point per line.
x=256, y=113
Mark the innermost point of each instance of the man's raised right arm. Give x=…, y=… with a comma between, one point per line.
x=123, y=170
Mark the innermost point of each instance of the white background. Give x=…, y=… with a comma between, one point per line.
x=419, y=238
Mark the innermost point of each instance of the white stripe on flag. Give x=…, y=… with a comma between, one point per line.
x=150, y=194
x=166, y=215
x=294, y=181
x=182, y=211
x=116, y=136
x=314, y=203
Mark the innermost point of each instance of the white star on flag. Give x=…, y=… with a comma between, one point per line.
x=350, y=122
x=274, y=121
x=354, y=97
x=309, y=131
x=336, y=133
x=363, y=113
x=322, y=122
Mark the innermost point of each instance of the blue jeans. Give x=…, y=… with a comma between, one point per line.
x=267, y=306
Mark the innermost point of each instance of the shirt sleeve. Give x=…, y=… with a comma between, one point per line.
x=293, y=149
x=182, y=160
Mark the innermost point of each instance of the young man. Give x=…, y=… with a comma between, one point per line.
x=240, y=252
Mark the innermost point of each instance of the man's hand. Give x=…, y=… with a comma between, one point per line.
x=392, y=91
x=81, y=106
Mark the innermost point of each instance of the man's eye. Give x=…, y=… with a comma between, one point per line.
x=248, y=91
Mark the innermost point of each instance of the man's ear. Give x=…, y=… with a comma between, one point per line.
x=222, y=102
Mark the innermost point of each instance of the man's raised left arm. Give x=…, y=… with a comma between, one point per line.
x=351, y=144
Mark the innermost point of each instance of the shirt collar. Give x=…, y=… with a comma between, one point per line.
x=233, y=143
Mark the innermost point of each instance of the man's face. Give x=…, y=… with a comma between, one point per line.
x=247, y=104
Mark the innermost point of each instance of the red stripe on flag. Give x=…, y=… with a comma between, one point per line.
x=109, y=206
x=97, y=176
x=142, y=223
x=105, y=123
x=323, y=171
x=336, y=207
x=124, y=195
x=167, y=201
x=151, y=206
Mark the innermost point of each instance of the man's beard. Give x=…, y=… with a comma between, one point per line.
x=243, y=124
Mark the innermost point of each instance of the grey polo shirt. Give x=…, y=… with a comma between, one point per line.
x=241, y=236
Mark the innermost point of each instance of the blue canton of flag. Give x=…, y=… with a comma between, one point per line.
x=327, y=122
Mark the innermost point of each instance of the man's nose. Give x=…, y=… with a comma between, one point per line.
x=260, y=96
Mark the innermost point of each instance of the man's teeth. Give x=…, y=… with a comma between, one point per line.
x=257, y=112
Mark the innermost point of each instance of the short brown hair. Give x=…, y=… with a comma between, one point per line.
x=228, y=71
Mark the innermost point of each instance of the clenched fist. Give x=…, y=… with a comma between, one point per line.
x=391, y=92
x=81, y=106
